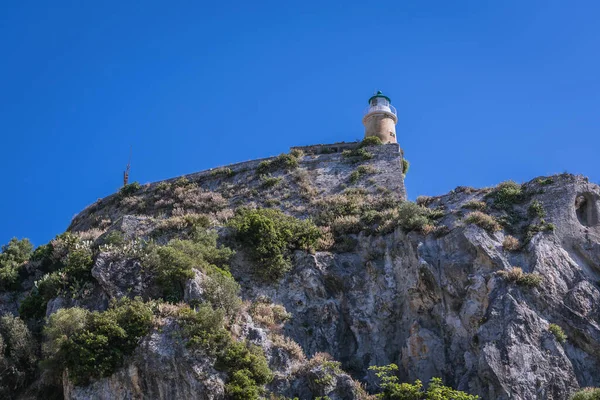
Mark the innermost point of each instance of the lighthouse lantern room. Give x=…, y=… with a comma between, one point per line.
x=380, y=118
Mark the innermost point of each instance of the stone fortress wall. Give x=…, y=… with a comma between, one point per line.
x=324, y=168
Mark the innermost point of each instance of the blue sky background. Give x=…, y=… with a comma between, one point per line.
x=486, y=91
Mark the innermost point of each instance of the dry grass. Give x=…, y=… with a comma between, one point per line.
x=327, y=240
x=516, y=275
x=511, y=243
x=269, y=315
x=287, y=344
x=167, y=311
x=424, y=201
x=319, y=359
x=184, y=221
x=346, y=224
x=475, y=205
x=91, y=234
x=305, y=188
x=133, y=202
x=484, y=221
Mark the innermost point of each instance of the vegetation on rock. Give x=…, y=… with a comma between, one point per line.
x=558, y=332
x=484, y=221
x=269, y=236
x=174, y=263
x=393, y=390
x=94, y=344
x=12, y=258
x=18, y=356
x=587, y=394
x=516, y=275
x=281, y=162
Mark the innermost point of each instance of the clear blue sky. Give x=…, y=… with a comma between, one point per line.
x=486, y=91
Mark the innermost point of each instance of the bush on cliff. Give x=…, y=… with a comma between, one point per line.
x=68, y=262
x=247, y=368
x=245, y=365
x=270, y=236
x=173, y=264
x=484, y=221
x=18, y=356
x=587, y=394
x=14, y=255
x=506, y=194
x=393, y=390
x=370, y=141
x=94, y=344
x=129, y=190
x=286, y=162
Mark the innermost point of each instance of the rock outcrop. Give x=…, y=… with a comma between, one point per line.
x=454, y=301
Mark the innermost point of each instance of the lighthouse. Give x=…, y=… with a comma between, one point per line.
x=380, y=119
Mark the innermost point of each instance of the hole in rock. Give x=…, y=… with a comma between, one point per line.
x=585, y=206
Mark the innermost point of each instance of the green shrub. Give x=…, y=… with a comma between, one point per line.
x=282, y=162
x=129, y=190
x=226, y=172
x=173, y=264
x=62, y=325
x=413, y=217
x=69, y=263
x=534, y=229
x=475, y=205
x=14, y=255
x=182, y=182
x=247, y=368
x=222, y=291
x=506, y=194
x=558, y=332
x=516, y=275
x=33, y=306
x=370, y=141
x=536, y=209
x=393, y=390
x=405, y=166
x=587, y=394
x=544, y=181
x=18, y=356
x=361, y=171
x=424, y=201
x=358, y=154
x=115, y=238
x=484, y=221
x=93, y=345
x=203, y=329
x=270, y=236
x=269, y=181
x=78, y=265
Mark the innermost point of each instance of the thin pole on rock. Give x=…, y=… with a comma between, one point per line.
x=126, y=172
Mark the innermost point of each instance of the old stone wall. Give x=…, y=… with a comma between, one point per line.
x=320, y=171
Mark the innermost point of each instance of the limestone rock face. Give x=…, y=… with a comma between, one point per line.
x=434, y=304
x=436, y=307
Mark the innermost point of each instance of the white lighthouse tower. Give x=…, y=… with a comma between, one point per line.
x=380, y=119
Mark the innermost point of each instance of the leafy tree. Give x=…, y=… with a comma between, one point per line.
x=18, y=356
x=393, y=390
x=93, y=345
x=14, y=254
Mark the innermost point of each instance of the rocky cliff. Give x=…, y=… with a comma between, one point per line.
x=494, y=290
